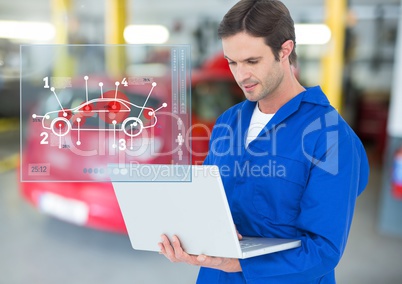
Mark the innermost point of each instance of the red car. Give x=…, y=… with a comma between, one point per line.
x=86, y=201
x=213, y=91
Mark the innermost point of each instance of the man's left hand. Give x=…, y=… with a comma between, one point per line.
x=175, y=253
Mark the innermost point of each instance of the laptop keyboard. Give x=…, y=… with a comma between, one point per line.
x=246, y=244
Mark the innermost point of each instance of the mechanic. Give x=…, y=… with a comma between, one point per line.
x=293, y=168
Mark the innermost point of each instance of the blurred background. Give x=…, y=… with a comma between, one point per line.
x=352, y=48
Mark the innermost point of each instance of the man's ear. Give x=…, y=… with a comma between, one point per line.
x=287, y=48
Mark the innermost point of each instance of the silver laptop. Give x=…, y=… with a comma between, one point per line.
x=187, y=201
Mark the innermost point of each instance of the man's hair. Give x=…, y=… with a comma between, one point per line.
x=269, y=19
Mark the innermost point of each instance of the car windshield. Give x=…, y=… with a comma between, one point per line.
x=211, y=98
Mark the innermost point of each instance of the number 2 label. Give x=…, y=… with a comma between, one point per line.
x=44, y=141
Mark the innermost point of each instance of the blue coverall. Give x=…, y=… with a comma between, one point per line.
x=299, y=179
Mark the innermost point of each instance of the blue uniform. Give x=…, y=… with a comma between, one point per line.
x=298, y=179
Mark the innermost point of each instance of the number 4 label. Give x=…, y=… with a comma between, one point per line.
x=124, y=82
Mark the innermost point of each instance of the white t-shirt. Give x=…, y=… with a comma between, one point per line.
x=257, y=123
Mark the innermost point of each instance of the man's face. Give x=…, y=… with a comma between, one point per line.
x=253, y=65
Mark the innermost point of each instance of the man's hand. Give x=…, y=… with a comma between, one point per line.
x=175, y=253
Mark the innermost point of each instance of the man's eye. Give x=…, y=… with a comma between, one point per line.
x=232, y=63
x=252, y=62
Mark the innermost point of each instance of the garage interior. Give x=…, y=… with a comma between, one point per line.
x=37, y=248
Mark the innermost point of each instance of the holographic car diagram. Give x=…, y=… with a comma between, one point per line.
x=114, y=114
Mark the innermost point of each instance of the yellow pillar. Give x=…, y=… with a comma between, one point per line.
x=115, y=22
x=332, y=62
x=64, y=63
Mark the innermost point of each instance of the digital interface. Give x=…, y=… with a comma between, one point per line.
x=96, y=112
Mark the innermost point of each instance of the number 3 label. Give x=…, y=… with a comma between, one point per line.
x=122, y=145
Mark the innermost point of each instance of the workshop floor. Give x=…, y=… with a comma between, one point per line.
x=38, y=249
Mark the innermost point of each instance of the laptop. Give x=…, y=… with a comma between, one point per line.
x=187, y=201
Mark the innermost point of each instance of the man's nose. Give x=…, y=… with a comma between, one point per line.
x=242, y=73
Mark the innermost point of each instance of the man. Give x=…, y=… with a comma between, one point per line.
x=296, y=167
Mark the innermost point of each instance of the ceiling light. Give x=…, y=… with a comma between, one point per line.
x=146, y=34
x=31, y=31
x=313, y=34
